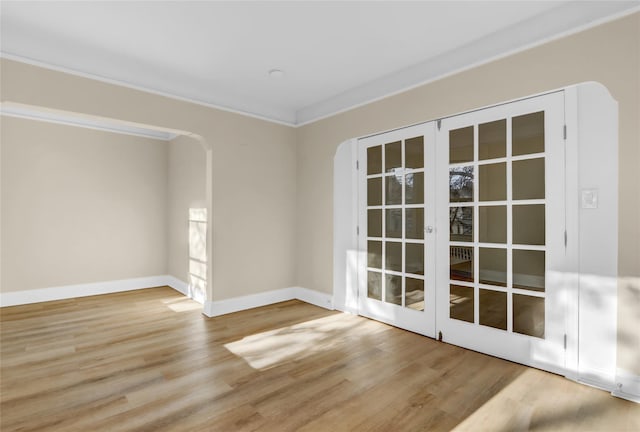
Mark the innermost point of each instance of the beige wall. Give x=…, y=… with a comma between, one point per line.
x=186, y=189
x=79, y=205
x=608, y=53
x=254, y=169
x=272, y=184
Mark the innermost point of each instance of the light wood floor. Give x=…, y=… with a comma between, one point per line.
x=149, y=360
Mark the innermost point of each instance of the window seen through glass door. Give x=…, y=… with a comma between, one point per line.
x=497, y=224
x=395, y=223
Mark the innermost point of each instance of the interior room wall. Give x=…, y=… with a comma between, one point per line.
x=254, y=169
x=79, y=205
x=186, y=189
x=608, y=53
x=272, y=184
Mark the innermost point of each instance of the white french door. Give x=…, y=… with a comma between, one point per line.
x=501, y=214
x=463, y=224
x=396, y=185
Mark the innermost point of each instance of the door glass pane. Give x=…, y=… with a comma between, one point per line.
x=414, y=297
x=393, y=289
x=528, y=133
x=393, y=257
x=374, y=191
x=414, y=258
x=461, y=145
x=414, y=223
x=493, y=309
x=414, y=193
x=392, y=156
x=461, y=263
x=461, y=303
x=528, y=179
x=393, y=223
x=528, y=269
x=393, y=189
x=528, y=315
x=374, y=160
x=492, y=140
x=492, y=224
x=493, y=182
x=461, y=224
x=374, y=223
x=374, y=285
x=461, y=184
x=414, y=152
x=528, y=224
x=493, y=266
x=374, y=254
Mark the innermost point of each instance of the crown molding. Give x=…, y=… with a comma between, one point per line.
x=57, y=68
x=576, y=16
x=570, y=18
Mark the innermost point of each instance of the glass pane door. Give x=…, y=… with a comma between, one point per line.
x=396, y=182
x=501, y=206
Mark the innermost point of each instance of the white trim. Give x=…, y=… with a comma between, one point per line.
x=627, y=386
x=496, y=46
x=211, y=308
x=178, y=285
x=45, y=65
x=444, y=66
x=185, y=289
x=313, y=297
x=88, y=122
x=597, y=231
x=345, y=220
x=571, y=278
x=236, y=304
x=14, y=298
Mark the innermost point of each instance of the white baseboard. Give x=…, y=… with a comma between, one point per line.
x=236, y=304
x=185, y=289
x=14, y=298
x=627, y=386
x=178, y=285
x=211, y=308
x=313, y=297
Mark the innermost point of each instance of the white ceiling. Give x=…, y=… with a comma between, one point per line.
x=335, y=55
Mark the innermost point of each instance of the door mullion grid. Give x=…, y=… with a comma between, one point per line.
x=402, y=212
x=509, y=229
x=476, y=231
x=383, y=282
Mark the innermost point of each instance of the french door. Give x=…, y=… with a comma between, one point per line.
x=396, y=278
x=501, y=200
x=463, y=224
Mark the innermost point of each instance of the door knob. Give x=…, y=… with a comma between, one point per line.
x=429, y=229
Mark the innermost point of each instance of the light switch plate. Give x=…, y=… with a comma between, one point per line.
x=589, y=198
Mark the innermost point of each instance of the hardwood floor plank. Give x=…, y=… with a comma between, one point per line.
x=149, y=360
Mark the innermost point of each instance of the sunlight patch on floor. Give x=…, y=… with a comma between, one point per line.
x=182, y=304
x=265, y=350
x=525, y=404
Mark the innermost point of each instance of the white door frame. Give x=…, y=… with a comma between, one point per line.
x=591, y=118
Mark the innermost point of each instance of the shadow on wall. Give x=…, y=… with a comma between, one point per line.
x=629, y=333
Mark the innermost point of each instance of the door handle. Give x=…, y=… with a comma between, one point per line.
x=429, y=229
